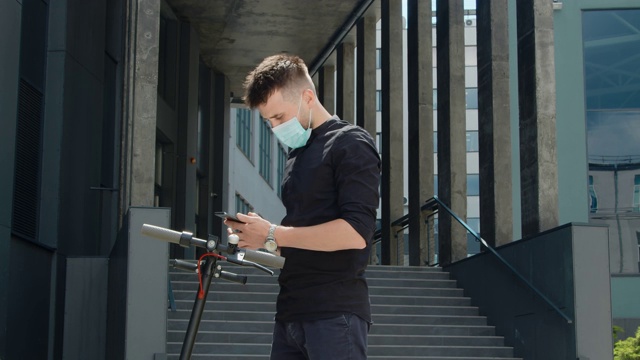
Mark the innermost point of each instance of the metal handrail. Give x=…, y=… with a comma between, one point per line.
x=433, y=204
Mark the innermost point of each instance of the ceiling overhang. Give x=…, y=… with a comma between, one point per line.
x=235, y=35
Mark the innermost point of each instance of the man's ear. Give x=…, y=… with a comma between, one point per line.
x=309, y=97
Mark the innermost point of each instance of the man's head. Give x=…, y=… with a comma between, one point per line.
x=285, y=73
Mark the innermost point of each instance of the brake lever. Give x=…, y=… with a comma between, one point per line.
x=239, y=260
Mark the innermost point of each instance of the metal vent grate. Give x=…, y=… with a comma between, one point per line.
x=27, y=162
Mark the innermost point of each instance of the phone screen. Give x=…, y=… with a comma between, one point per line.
x=224, y=215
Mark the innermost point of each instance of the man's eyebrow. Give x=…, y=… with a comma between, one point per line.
x=274, y=116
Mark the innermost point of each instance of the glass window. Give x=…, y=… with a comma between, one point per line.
x=636, y=193
x=265, y=151
x=473, y=184
x=472, y=98
x=472, y=141
x=435, y=184
x=378, y=58
x=435, y=99
x=473, y=246
x=242, y=206
x=378, y=100
x=435, y=141
x=611, y=49
x=282, y=163
x=243, y=131
x=470, y=56
x=593, y=198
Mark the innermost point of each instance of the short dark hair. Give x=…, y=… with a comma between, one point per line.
x=276, y=72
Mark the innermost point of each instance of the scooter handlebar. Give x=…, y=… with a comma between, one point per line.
x=186, y=239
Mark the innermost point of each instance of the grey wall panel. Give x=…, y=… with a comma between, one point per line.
x=30, y=275
x=138, y=275
x=593, y=292
x=85, y=314
x=10, y=19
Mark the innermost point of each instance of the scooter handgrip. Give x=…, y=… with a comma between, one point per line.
x=264, y=258
x=240, y=279
x=161, y=233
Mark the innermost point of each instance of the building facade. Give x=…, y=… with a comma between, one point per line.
x=114, y=104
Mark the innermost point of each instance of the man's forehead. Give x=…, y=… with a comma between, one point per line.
x=274, y=105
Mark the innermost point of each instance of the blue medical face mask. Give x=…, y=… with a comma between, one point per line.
x=291, y=133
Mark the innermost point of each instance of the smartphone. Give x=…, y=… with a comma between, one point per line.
x=224, y=215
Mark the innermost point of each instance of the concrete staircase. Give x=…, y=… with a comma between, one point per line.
x=418, y=313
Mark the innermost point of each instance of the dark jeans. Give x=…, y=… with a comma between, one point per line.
x=339, y=338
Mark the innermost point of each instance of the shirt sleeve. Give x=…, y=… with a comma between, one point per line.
x=357, y=175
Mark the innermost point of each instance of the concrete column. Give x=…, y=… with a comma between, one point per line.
x=452, y=157
x=318, y=81
x=187, y=143
x=204, y=222
x=187, y=128
x=420, y=104
x=139, y=110
x=494, y=122
x=366, y=84
x=392, y=134
x=537, y=102
x=327, y=83
x=366, y=75
x=220, y=196
x=345, y=96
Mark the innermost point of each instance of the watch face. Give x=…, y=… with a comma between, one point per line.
x=270, y=245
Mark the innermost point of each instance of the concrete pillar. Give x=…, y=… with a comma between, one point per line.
x=345, y=91
x=327, y=82
x=366, y=84
x=187, y=128
x=392, y=134
x=139, y=110
x=494, y=122
x=537, y=102
x=204, y=222
x=366, y=75
x=220, y=196
x=420, y=106
x=452, y=157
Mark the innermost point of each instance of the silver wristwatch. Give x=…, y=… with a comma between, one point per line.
x=270, y=242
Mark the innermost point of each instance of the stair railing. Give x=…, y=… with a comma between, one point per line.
x=432, y=205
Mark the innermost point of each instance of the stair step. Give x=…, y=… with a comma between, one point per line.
x=430, y=320
x=242, y=337
x=225, y=315
x=176, y=356
x=418, y=313
x=424, y=310
x=413, y=283
x=428, y=330
x=414, y=291
x=373, y=350
x=420, y=300
x=468, y=351
x=442, y=340
x=222, y=325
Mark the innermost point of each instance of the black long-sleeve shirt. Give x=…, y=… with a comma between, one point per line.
x=334, y=176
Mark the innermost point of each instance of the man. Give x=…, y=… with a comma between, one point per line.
x=330, y=192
